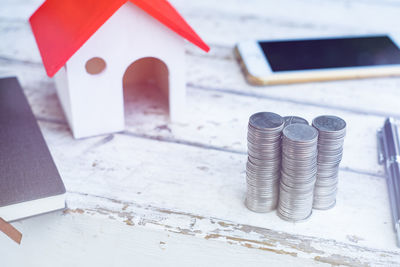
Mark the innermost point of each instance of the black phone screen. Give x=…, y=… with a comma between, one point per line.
x=330, y=53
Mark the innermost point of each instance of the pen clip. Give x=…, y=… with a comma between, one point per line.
x=381, y=154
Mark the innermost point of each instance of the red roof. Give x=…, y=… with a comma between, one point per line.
x=61, y=27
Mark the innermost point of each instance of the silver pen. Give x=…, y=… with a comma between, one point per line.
x=389, y=155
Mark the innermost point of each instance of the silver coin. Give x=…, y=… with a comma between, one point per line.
x=300, y=133
x=266, y=120
x=294, y=119
x=329, y=123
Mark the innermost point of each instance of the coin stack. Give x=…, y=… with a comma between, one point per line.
x=332, y=131
x=264, y=161
x=298, y=174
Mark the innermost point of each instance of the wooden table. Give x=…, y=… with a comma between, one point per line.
x=166, y=194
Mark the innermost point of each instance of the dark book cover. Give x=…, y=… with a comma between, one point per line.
x=27, y=170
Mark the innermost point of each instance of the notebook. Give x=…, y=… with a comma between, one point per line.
x=29, y=181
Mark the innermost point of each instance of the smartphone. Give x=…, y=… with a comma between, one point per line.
x=306, y=60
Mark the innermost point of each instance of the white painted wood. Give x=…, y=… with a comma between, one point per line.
x=227, y=22
x=215, y=186
x=219, y=70
x=109, y=236
x=147, y=193
x=217, y=119
x=173, y=192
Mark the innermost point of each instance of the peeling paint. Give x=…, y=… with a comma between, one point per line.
x=354, y=238
x=129, y=222
x=237, y=239
x=279, y=251
x=224, y=224
x=182, y=231
x=249, y=244
x=339, y=260
x=248, y=236
x=193, y=223
x=163, y=245
x=282, y=238
x=179, y=213
x=68, y=211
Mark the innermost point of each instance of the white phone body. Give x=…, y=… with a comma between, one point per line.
x=258, y=71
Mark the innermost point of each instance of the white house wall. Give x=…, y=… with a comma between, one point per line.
x=61, y=80
x=130, y=34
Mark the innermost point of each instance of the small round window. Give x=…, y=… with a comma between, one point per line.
x=95, y=65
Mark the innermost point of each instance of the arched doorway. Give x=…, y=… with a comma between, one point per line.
x=146, y=90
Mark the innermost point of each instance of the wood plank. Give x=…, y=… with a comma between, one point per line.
x=220, y=71
x=133, y=222
x=217, y=120
x=152, y=173
x=118, y=233
x=18, y=9
x=226, y=22
x=376, y=96
x=136, y=174
x=313, y=14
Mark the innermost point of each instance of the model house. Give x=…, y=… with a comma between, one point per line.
x=88, y=45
